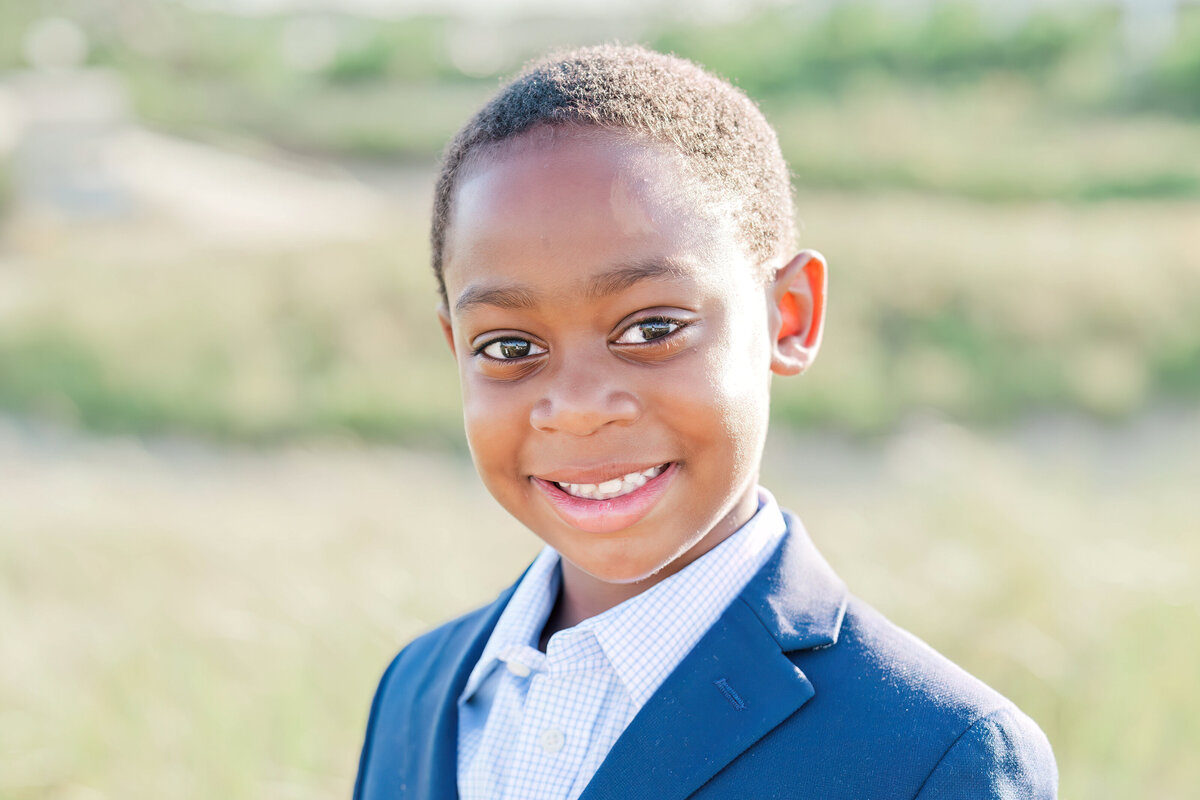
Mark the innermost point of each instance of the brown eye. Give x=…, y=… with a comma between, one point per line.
x=655, y=328
x=511, y=349
x=648, y=330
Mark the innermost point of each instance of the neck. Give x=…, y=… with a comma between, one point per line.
x=582, y=595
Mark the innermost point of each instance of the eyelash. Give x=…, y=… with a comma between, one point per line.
x=677, y=324
x=479, y=351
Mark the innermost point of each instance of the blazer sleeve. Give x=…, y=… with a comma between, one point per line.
x=1003, y=756
x=368, y=740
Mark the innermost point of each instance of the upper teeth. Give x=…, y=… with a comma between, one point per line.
x=614, y=488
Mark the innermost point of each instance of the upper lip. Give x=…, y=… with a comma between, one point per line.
x=597, y=474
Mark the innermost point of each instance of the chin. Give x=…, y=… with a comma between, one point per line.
x=625, y=568
x=624, y=577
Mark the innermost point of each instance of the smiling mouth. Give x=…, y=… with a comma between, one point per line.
x=609, y=506
x=616, y=487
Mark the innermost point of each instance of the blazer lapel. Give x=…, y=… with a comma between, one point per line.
x=736, y=684
x=441, y=780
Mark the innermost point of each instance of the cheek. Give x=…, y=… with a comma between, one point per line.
x=493, y=421
x=721, y=400
x=739, y=375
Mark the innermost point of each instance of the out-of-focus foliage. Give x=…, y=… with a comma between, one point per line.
x=1009, y=209
x=1173, y=81
x=983, y=312
x=795, y=51
x=5, y=185
x=345, y=86
x=398, y=87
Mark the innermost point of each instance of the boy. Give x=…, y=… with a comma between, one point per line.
x=613, y=241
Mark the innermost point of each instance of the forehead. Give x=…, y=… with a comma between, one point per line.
x=568, y=202
x=589, y=157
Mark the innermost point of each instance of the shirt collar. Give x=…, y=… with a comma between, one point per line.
x=645, y=637
x=523, y=617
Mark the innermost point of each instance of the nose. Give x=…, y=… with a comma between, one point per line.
x=581, y=401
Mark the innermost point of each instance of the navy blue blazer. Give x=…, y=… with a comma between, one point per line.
x=799, y=690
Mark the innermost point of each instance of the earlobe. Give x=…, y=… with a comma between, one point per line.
x=447, y=330
x=798, y=312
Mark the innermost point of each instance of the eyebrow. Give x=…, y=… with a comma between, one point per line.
x=512, y=297
x=603, y=285
x=621, y=278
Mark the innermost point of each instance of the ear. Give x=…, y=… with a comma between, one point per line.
x=447, y=331
x=797, y=313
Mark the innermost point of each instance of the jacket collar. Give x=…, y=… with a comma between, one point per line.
x=796, y=595
x=736, y=684
x=731, y=689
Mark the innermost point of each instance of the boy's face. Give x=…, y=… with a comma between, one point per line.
x=614, y=348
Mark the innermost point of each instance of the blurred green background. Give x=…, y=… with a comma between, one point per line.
x=232, y=473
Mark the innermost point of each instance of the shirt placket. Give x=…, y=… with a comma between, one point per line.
x=562, y=702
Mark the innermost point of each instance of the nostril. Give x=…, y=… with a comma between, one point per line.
x=584, y=413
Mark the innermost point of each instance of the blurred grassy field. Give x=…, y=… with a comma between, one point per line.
x=232, y=474
x=186, y=621
x=1009, y=212
x=983, y=312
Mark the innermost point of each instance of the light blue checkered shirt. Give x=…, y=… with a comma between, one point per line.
x=537, y=725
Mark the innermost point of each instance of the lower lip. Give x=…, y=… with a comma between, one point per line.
x=607, y=516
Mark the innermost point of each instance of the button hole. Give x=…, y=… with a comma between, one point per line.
x=731, y=695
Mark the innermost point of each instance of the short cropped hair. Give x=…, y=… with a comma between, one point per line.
x=719, y=131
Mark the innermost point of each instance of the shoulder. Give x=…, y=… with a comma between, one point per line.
x=1001, y=754
x=918, y=720
x=429, y=646
x=410, y=712
x=888, y=715
x=432, y=658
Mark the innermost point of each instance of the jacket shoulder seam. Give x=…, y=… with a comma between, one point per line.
x=950, y=748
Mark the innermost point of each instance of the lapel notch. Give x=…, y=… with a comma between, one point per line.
x=736, y=685
x=797, y=595
x=732, y=689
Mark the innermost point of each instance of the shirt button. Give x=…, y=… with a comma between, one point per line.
x=552, y=740
x=518, y=668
